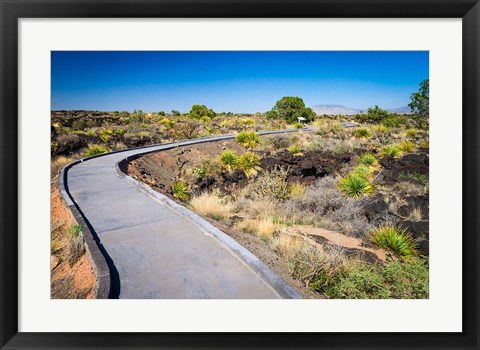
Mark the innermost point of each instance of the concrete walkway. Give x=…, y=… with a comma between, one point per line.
x=154, y=251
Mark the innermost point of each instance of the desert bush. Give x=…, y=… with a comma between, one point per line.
x=363, y=133
x=367, y=159
x=272, y=185
x=249, y=162
x=75, y=230
x=381, y=129
x=388, y=150
x=180, y=190
x=229, y=159
x=394, y=239
x=199, y=172
x=75, y=247
x=406, y=146
x=355, y=185
x=210, y=205
x=205, y=119
x=295, y=150
x=79, y=124
x=298, y=125
x=120, y=132
x=297, y=189
x=393, y=280
x=394, y=121
x=94, y=150
x=248, y=139
x=278, y=141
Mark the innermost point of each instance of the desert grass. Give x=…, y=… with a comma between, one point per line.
x=210, y=205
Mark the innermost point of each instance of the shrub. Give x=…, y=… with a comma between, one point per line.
x=295, y=150
x=94, y=150
x=394, y=121
x=120, y=132
x=381, y=129
x=392, y=280
x=180, y=190
x=229, y=159
x=406, y=146
x=272, y=185
x=76, y=249
x=199, y=173
x=355, y=185
x=298, y=125
x=363, y=133
x=206, y=119
x=367, y=159
x=248, y=139
x=74, y=230
x=249, y=162
x=210, y=205
x=390, y=150
x=297, y=189
x=394, y=239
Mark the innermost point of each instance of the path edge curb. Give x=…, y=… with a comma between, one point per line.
x=95, y=256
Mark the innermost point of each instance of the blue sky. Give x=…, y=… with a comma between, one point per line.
x=235, y=81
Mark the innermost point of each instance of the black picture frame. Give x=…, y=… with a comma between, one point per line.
x=11, y=11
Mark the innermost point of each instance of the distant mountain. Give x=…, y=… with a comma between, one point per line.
x=400, y=110
x=334, y=109
x=338, y=109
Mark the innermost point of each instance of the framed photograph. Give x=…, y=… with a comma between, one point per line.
x=220, y=174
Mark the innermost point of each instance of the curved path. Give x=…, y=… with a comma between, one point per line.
x=155, y=251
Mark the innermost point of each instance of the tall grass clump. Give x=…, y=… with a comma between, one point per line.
x=363, y=133
x=390, y=150
x=367, y=159
x=248, y=139
x=406, y=146
x=355, y=185
x=249, y=162
x=394, y=239
x=180, y=190
x=94, y=150
x=229, y=159
x=210, y=205
x=295, y=150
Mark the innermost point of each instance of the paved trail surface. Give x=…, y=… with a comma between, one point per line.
x=153, y=251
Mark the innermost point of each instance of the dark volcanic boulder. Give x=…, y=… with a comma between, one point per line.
x=375, y=207
x=418, y=229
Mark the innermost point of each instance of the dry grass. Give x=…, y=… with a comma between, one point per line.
x=415, y=215
x=210, y=205
x=287, y=244
x=263, y=228
x=57, y=164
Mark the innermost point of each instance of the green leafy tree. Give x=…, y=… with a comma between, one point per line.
x=420, y=102
x=290, y=109
x=199, y=111
x=175, y=113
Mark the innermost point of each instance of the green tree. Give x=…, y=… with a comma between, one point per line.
x=175, y=113
x=420, y=102
x=199, y=111
x=291, y=108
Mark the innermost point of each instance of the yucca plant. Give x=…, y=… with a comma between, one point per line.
x=180, y=190
x=229, y=159
x=295, y=150
x=406, y=146
x=394, y=239
x=355, y=185
x=367, y=159
x=363, y=133
x=248, y=139
x=363, y=170
x=390, y=150
x=250, y=163
x=94, y=150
